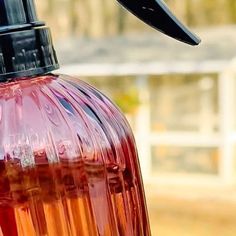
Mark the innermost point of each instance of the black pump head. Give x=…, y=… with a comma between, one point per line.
x=156, y=14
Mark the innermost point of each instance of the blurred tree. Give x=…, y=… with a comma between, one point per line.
x=121, y=20
x=50, y=6
x=98, y=18
x=73, y=16
x=231, y=5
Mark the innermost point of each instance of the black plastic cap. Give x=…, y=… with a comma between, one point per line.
x=26, y=47
x=26, y=53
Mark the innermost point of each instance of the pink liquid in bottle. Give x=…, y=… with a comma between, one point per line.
x=68, y=163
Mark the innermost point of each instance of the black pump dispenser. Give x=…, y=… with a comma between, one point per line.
x=26, y=47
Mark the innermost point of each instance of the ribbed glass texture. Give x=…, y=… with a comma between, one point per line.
x=68, y=162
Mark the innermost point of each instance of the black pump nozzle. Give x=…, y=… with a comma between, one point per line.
x=156, y=14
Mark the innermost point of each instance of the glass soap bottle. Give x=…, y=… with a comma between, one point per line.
x=68, y=160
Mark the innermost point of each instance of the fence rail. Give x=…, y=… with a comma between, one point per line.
x=224, y=139
x=145, y=68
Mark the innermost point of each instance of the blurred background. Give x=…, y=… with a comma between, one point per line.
x=179, y=100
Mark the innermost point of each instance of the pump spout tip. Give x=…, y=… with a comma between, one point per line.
x=156, y=14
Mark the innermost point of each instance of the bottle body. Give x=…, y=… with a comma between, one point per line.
x=68, y=162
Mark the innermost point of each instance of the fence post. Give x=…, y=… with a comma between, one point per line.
x=143, y=126
x=226, y=97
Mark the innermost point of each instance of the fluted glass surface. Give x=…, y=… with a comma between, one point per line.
x=68, y=162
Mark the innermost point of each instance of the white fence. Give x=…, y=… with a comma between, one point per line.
x=145, y=137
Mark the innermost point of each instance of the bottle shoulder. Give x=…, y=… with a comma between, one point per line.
x=64, y=115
